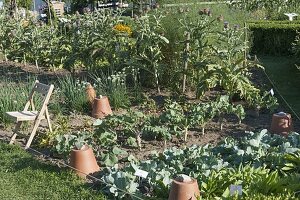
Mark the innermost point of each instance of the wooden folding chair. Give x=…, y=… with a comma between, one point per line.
x=33, y=115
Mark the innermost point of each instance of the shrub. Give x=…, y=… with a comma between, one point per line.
x=273, y=37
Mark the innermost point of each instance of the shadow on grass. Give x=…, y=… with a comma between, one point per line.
x=16, y=161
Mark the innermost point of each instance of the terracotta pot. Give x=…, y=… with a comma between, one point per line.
x=182, y=190
x=84, y=160
x=90, y=93
x=281, y=123
x=101, y=107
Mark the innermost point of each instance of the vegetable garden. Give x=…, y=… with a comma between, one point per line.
x=189, y=96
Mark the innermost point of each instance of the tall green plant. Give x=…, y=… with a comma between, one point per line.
x=72, y=92
x=197, y=52
x=229, y=69
x=148, y=45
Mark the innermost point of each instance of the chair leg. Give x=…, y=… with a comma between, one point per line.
x=36, y=125
x=48, y=120
x=17, y=128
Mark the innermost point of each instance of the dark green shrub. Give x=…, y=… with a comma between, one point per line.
x=273, y=37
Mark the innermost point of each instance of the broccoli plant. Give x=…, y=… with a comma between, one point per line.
x=222, y=106
x=265, y=100
x=126, y=125
x=201, y=114
x=65, y=143
x=158, y=129
x=176, y=118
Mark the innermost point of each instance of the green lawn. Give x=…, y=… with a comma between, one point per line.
x=286, y=77
x=23, y=177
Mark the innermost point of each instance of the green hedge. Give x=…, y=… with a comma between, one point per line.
x=273, y=37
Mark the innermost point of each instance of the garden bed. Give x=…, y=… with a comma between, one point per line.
x=77, y=121
x=187, y=98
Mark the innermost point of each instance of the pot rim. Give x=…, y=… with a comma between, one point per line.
x=184, y=183
x=282, y=116
x=98, y=97
x=83, y=148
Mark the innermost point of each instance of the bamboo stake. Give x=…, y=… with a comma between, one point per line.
x=186, y=60
x=49, y=10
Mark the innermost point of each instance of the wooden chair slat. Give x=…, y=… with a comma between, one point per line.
x=36, y=116
x=41, y=88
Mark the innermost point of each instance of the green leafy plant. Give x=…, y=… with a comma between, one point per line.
x=114, y=86
x=176, y=118
x=126, y=125
x=110, y=158
x=292, y=162
x=154, y=127
x=65, y=143
x=231, y=69
x=149, y=40
x=72, y=91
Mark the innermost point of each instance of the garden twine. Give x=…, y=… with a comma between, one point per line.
x=88, y=175
x=285, y=101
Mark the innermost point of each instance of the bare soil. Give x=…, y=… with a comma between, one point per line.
x=212, y=135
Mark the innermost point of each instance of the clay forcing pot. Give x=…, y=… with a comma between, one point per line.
x=84, y=161
x=101, y=107
x=281, y=123
x=181, y=190
x=90, y=94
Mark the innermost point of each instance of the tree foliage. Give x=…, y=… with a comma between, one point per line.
x=21, y=3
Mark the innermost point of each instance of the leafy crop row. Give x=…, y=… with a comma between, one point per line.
x=259, y=162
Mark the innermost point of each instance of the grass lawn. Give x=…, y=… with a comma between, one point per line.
x=286, y=77
x=23, y=177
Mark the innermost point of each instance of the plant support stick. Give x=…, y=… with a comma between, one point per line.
x=186, y=60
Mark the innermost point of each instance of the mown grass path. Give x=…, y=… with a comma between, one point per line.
x=286, y=77
x=23, y=177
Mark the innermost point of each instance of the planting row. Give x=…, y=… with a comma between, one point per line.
x=260, y=164
x=69, y=94
x=206, y=56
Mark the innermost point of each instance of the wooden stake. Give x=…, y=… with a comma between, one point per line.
x=186, y=59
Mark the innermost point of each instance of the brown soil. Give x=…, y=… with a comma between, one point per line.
x=212, y=135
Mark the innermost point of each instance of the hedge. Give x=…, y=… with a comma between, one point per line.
x=273, y=37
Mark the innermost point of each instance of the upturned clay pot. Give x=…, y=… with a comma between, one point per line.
x=281, y=123
x=90, y=93
x=184, y=190
x=101, y=107
x=84, y=161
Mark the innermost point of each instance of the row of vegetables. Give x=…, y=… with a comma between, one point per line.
x=263, y=164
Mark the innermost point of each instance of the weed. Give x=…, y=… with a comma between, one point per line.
x=73, y=94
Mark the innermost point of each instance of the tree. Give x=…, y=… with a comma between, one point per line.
x=20, y=3
x=78, y=5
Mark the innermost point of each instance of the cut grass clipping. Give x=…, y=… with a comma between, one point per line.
x=23, y=177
